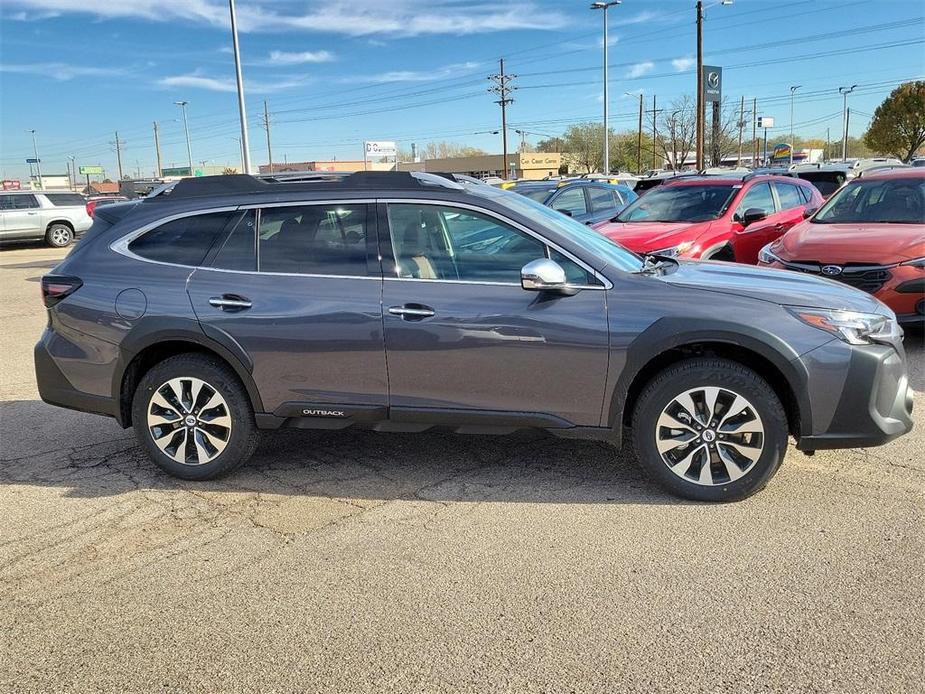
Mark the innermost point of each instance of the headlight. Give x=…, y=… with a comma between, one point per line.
x=918, y=262
x=765, y=255
x=675, y=251
x=851, y=326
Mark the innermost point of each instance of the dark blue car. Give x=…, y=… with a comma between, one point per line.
x=588, y=202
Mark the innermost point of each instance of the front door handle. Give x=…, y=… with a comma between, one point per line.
x=230, y=302
x=412, y=311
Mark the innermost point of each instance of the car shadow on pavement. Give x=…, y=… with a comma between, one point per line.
x=355, y=465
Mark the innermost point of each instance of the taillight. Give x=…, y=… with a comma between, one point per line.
x=55, y=288
x=91, y=205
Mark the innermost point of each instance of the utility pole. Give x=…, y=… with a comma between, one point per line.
x=605, y=6
x=242, y=112
x=157, y=150
x=792, y=91
x=741, y=126
x=639, y=139
x=189, y=149
x=502, y=88
x=38, y=163
x=754, y=131
x=654, y=113
x=699, y=84
x=266, y=124
x=825, y=152
x=73, y=160
x=845, y=91
x=118, y=145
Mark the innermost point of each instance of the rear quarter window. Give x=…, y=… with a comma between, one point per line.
x=65, y=199
x=183, y=241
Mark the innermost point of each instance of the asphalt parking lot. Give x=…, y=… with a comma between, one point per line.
x=368, y=562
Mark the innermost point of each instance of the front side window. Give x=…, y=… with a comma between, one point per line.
x=896, y=201
x=758, y=197
x=183, y=241
x=682, y=203
x=65, y=199
x=571, y=201
x=18, y=202
x=434, y=242
x=324, y=239
x=788, y=195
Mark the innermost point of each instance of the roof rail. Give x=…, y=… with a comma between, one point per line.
x=244, y=184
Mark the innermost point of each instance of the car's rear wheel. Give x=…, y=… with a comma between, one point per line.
x=59, y=235
x=193, y=417
x=710, y=430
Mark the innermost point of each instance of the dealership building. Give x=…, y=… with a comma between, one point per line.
x=531, y=165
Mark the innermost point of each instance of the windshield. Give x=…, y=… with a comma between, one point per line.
x=687, y=203
x=611, y=253
x=884, y=201
x=826, y=182
x=538, y=194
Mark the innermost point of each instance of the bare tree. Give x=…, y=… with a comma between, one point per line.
x=678, y=132
x=448, y=150
x=727, y=137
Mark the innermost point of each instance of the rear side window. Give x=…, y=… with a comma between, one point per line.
x=788, y=195
x=184, y=241
x=601, y=198
x=325, y=239
x=66, y=199
x=18, y=202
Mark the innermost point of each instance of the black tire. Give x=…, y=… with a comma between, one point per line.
x=764, y=411
x=59, y=235
x=244, y=435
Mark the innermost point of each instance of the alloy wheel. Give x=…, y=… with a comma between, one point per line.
x=709, y=436
x=189, y=420
x=60, y=236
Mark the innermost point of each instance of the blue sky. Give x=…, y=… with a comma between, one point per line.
x=336, y=73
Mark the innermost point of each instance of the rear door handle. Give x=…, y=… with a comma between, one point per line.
x=412, y=311
x=230, y=302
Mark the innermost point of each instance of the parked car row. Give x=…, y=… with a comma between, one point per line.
x=57, y=217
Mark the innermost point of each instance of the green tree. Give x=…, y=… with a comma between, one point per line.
x=898, y=126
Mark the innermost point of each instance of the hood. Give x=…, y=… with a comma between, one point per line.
x=645, y=237
x=777, y=286
x=878, y=244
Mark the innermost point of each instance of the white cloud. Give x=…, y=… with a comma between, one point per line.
x=683, y=64
x=416, y=75
x=196, y=80
x=60, y=71
x=640, y=69
x=640, y=18
x=300, y=58
x=357, y=18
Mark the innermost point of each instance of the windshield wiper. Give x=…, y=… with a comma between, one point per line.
x=652, y=263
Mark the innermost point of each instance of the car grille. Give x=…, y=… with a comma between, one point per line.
x=869, y=278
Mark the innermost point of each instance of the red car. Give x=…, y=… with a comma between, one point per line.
x=712, y=217
x=871, y=235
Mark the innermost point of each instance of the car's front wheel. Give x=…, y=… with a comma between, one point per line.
x=710, y=430
x=59, y=235
x=193, y=417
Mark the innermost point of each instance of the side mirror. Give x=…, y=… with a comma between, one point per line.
x=752, y=215
x=543, y=275
x=809, y=212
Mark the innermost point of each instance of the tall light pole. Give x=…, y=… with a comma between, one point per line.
x=189, y=149
x=245, y=145
x=73, y=181
x=605, y=6
x=700, y=103
x=38, y=163
x=845, y=91
x=792, y=91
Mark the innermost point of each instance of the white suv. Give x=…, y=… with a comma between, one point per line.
x=57, y=217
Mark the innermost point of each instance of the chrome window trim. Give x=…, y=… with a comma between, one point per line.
x=475, y=208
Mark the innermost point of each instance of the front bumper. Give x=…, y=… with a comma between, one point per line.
x=875, y=406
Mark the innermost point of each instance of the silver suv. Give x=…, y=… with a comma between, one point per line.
x=57, y=217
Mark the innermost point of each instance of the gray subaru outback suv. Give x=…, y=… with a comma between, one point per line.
x=399, y=302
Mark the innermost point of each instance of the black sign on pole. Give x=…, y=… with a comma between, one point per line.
x=712, y=83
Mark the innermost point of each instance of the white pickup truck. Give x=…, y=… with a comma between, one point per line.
x=56, y=217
